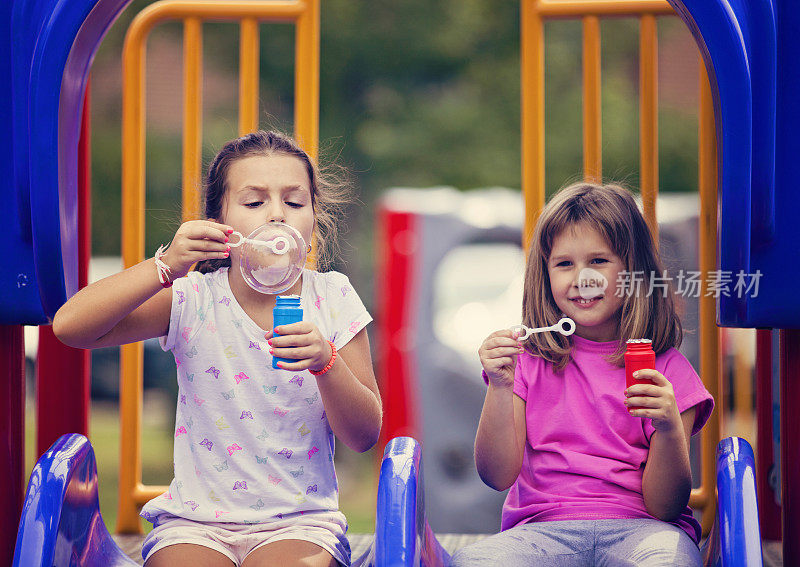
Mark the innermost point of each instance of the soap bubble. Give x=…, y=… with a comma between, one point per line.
x=271, y=257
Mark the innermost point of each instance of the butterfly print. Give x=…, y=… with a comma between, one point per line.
x=189, y=422
x=201, y=314
x=192, y=504
x=296, y=379
x=300, y=498
x=297, y=473
x=254, y=345
x=318, y=302
x=195, y=287
x=286, y=453
x=237, y=323
x=186, y=333
x=178, y=362
x=229, y=352
x=190, y=377
x=206, y=443
x=258, y=505
x=181, y=296
x=220, y=423
x=304, y=430
x=313, y=451
x=313, y=398
x=225, y=301
x=312, y=488
x=263, y=435
x=246, y=415
x=240, y=485
x=183, y=399
x=241, y=376
x=213, y=371
x=223, y=466
x=199, y=401
x=270, y=389
x=181, y=431
x=233, y=448
x=274, y=479
x=354, y=326
x=213, y=496
x=279, y=412
x=261, y=460
x=229, y=395
x=345, y=290
x=191, y=353
x=219, y=513
x=211, y=327
x=167, y=496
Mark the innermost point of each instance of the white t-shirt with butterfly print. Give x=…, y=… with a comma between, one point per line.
x=251, y=443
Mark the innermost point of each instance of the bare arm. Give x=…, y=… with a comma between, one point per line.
x=500, y=441
x=667, y=477
x=131, y=305
x=349, y=390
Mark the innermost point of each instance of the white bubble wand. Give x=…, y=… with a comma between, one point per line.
x=278, y=245
x=565, y=326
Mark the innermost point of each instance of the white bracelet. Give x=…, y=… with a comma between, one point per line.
x=164, y=271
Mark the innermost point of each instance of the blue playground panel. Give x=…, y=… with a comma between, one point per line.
x=52, y=44
x=61, y=523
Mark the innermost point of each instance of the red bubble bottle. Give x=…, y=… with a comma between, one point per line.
x=639, y=355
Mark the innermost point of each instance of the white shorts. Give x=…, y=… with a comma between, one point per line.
x=237, y=541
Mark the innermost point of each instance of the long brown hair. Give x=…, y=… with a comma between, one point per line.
x=329, y=191
x=612, y=211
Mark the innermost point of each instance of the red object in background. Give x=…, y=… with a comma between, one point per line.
x=769, y=513
x=395, y=374
x=12, y=450
x=63, y=373
x=639, y=355
x=790, y=444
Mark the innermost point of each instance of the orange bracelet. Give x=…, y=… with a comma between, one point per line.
x=330, y=362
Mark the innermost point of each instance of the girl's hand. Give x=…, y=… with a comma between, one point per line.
x=498, y=355
x=300, y=341
x=656, y=400
x=195, y=241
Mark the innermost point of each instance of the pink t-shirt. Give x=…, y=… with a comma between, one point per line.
x=584, y=454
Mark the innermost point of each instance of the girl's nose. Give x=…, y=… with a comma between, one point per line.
x=275, y=213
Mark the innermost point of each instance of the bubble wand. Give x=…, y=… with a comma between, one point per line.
x=565, y=326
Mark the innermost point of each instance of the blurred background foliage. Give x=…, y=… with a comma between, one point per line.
x=413, y=93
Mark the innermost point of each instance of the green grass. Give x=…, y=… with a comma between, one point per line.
x=357, y=472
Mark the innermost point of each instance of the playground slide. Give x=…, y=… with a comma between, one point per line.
x=61, y=523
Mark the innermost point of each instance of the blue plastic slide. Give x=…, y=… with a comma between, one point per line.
x=404, y=538
x=61, y=523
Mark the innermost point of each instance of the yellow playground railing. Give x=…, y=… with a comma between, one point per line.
x=534, y=13
x=305, y=16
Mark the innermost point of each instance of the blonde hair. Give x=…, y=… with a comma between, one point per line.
x=612, y=211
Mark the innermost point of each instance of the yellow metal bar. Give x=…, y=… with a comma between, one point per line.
x=579, y=8
x=273, y=10
x=592, y=101
x=648, y=119
x=532, y=78
x=192, y=116
x=306, y=83
x=710, y=363
x=131, y=490
x=248, y=76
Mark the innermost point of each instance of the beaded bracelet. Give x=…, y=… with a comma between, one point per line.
x=330, y=362
x=164, y=271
